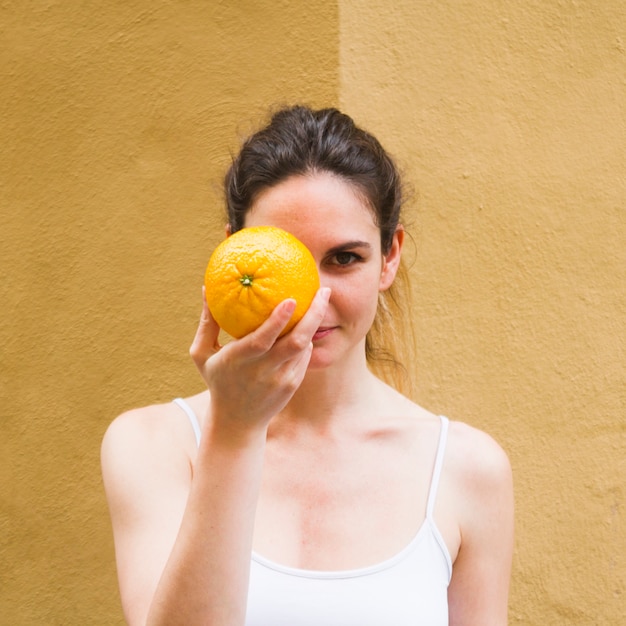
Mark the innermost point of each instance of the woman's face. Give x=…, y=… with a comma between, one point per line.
x=332, y=220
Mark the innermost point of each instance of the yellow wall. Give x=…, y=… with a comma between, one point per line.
x=116, y=122
x=511, y=119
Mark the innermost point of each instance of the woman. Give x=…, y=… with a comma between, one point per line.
x=312, y=493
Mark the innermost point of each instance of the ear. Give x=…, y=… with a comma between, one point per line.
x=391, y=260
x=228, y=230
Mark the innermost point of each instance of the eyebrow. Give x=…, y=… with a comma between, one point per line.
x=350, y=245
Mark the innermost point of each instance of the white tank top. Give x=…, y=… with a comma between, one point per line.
x=409, y=589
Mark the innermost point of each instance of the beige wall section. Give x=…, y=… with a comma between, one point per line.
x=510, y=119
x=117, y=121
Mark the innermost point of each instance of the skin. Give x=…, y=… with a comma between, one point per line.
x=185, y=520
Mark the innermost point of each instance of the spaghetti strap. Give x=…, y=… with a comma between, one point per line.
x=192, y=417
x=434, y=483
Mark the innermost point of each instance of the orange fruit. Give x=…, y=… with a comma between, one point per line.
x=252, y=271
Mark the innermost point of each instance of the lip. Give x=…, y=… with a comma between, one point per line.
x=323, y=331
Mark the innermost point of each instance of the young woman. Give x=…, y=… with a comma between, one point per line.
x=299, y=489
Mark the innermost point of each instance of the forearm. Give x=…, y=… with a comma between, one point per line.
x=205, y=580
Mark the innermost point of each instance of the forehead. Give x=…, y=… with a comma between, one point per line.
x=315, y=203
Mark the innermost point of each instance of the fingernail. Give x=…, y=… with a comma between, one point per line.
x=325, y=293
x=290, y=305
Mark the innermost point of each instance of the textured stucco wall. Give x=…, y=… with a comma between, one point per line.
x=116, y=123
x=510, y=118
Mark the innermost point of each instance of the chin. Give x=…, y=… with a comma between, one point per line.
x=321, y=359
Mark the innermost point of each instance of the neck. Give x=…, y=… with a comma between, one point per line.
x=330, y=398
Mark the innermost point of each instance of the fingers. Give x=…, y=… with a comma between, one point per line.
x=205, y=342
x=299, y=338
x=259, y=342
x=312, y=319
x=296, y=347
x=263, y=338
x=272, y=367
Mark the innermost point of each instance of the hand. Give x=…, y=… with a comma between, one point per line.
x=253, y=378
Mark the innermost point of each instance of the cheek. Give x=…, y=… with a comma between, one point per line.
x=356, y=300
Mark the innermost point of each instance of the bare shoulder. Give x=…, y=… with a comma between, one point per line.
x=476, y=459
x=146, y=459
x=151, y=441
x=148, y=427
x=479, y=489
x=480, y=502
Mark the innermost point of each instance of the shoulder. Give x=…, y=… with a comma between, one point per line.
x=146, y=472
x=479, y=478
x=147, y=442
x=476, y=455
x=480, y=497
x=143, y=427
x=157, y=425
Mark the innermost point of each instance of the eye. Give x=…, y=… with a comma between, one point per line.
x=345, y=258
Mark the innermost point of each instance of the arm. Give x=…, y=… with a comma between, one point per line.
x=183, y=535
x=478, y=592
x=146, y=480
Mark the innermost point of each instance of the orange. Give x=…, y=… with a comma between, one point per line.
x=252, y=271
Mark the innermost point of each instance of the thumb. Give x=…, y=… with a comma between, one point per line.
x=205, y=343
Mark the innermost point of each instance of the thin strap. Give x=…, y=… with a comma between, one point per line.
x=434, y=483
x=191, y=415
